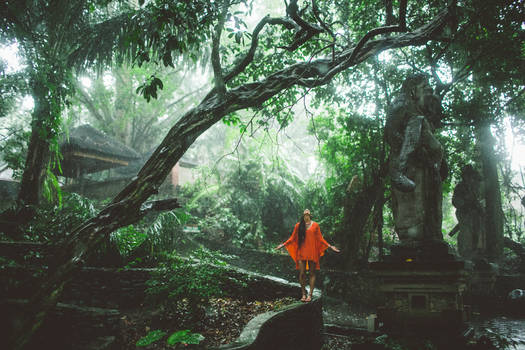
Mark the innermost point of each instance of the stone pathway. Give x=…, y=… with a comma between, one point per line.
x=342, y=314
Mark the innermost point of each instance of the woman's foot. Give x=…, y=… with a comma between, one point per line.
x=303, y=299
x=308, y=299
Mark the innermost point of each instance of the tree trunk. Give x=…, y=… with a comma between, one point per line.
x=126, y=206
x=379, y=222
x=494, y=212
x=38, y=152
x=37, y=161
x=356, y=216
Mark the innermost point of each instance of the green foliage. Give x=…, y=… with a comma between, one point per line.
x=46, y=42
x=146, y=241
x=119, y=112
x=184, y=337
x=53, y=222
x=179, y=337
x=14, y=151
x=127, y=239
x=191, y=281
x=254, y=206
x=161, y=32
x=388, y=342
x=225, y=223
x=12, y=85
x=351, y=144
x=165, y=231
x=149, y=88
x=151, y=337
x=51, y=188
x=491, y=340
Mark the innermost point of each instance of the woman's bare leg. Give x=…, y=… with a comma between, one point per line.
x=302, y=278
x=312, y=267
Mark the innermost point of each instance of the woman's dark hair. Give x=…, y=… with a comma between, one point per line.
x=302, y=231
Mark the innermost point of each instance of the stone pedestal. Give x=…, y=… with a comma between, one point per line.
x=482, y=294
x=424, y=288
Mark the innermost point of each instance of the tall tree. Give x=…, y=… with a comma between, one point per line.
x=487, y=64
x=121, y=113
x=234, y=90
x=46, y=41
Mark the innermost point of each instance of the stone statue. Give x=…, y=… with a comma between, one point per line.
x=416, y=161
x=470, y=214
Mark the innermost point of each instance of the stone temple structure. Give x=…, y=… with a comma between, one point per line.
x=86, y=150
x=423, y=283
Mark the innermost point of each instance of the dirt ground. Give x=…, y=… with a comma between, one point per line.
x=221, y=323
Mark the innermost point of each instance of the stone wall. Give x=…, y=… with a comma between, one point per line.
x=353, y=287
x=98, y=190
x=8, y=193
x=349, y=286
x=297, y=326
x=273, y=264
x=67, y=326
x=107, y=287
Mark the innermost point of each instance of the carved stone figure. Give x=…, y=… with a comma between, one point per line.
x=416, y=161
x=470, y=214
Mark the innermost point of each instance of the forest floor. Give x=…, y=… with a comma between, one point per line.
x=225, y=318
x=221, y=322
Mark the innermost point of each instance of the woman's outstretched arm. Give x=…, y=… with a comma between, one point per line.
x=323, y=241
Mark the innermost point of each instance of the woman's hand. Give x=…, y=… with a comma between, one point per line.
x=279, y=246
x=334, y=249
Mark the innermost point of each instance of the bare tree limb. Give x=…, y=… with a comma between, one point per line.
x=248, y=58
x=86, y=100
x=315, y=10
x=389, y=20
x=183, y=97
x=215, y=54
x=401, y=27
x=292, y=9
x=307, y=30
x=158, y=206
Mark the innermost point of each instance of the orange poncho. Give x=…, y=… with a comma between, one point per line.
x=312, y=248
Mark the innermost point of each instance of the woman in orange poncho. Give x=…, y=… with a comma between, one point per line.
x=306, y=245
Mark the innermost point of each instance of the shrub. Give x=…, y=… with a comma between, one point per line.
x=180, y=337
x=181, y=283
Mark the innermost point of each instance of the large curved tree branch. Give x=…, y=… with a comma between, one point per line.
x=127, y=206
x=292, y=9
x=401, y=27
x=306, y=31
x=248, y=58
x=364, y=49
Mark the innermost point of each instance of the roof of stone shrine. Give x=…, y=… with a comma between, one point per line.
x=87, y=150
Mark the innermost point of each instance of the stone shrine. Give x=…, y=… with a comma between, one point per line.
x=423, y=283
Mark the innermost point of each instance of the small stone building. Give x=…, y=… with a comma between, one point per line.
x=87, y=150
